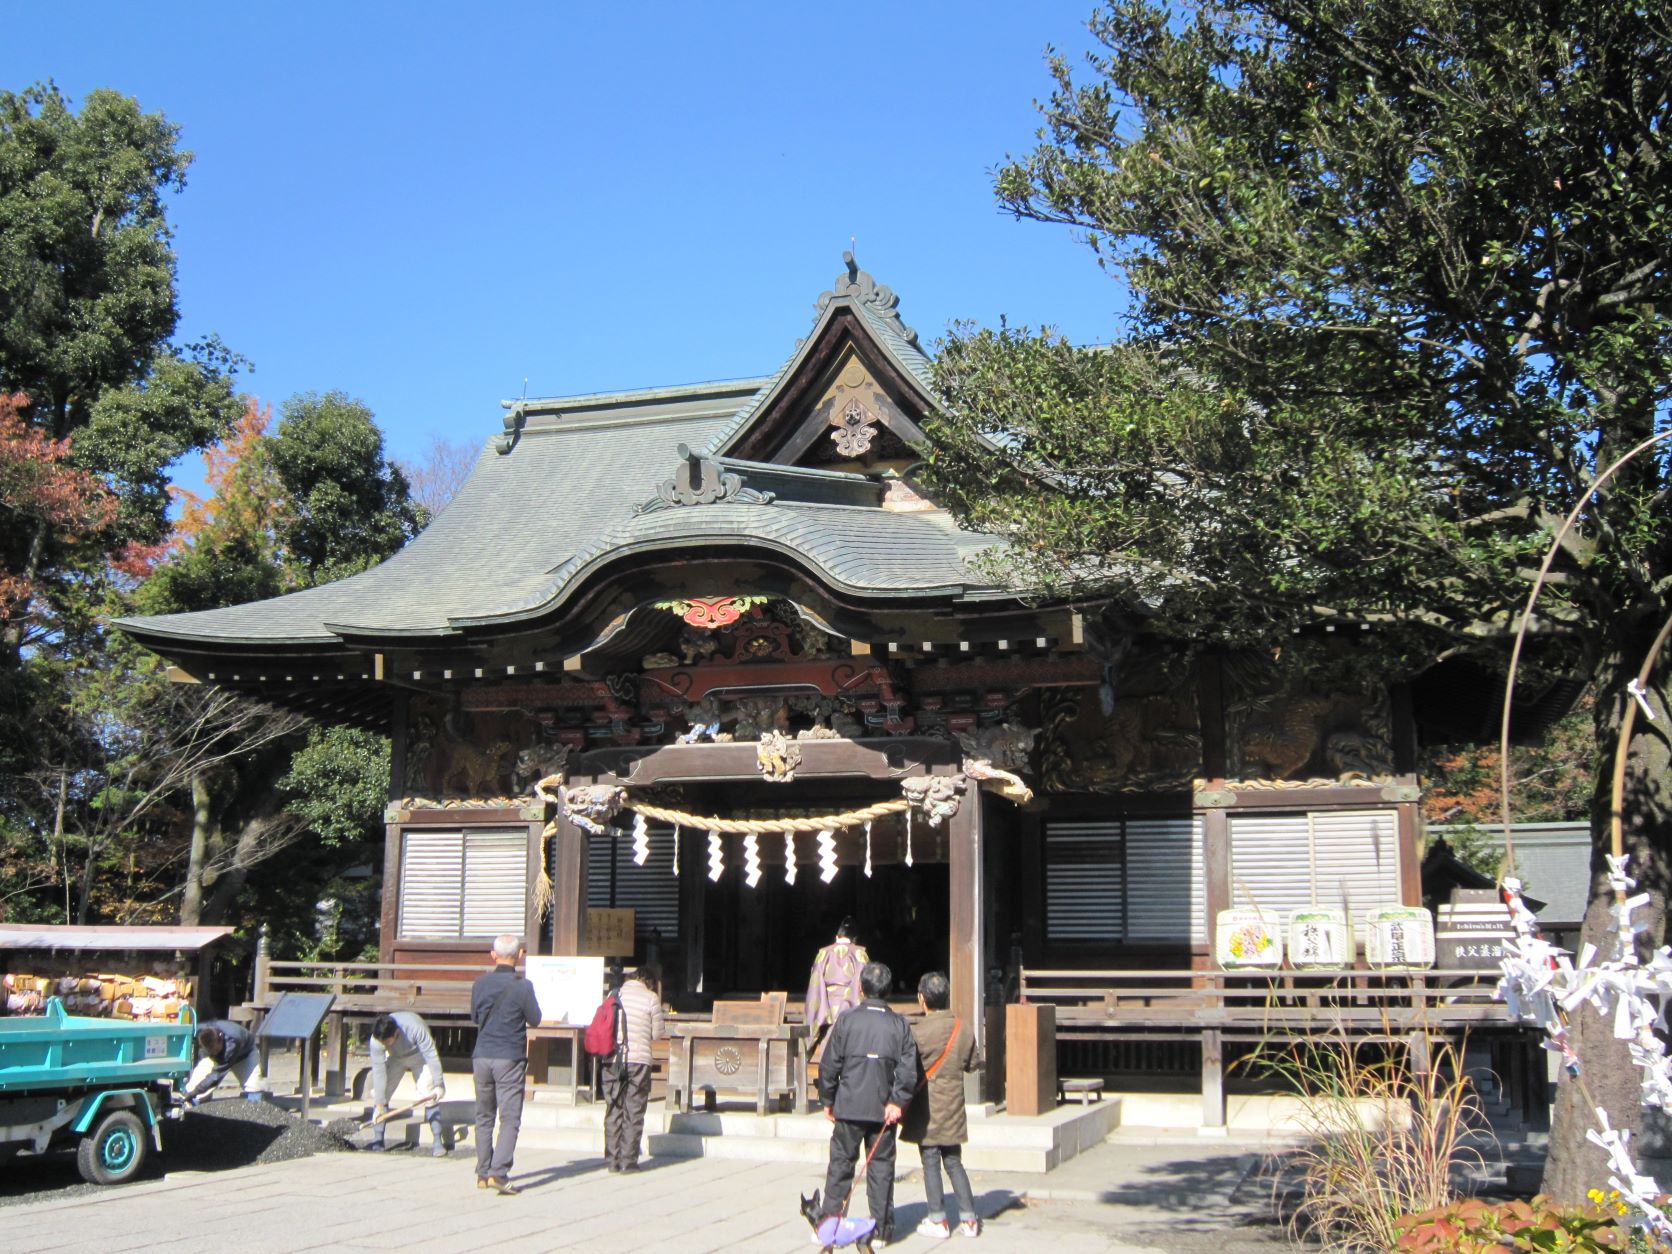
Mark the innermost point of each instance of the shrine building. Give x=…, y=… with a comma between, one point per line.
x=713, y=654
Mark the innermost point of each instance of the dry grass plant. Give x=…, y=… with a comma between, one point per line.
x=1381, y=1140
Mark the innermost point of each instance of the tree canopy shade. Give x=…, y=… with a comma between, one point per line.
x=1402, y=274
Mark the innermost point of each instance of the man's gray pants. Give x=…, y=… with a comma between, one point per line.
x=499, y=1092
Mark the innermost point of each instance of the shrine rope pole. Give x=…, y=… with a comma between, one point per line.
x=1508, y=866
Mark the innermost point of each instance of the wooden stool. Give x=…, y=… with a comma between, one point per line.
x=1088, y=1089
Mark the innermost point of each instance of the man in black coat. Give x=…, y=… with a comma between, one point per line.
x=866, y=1079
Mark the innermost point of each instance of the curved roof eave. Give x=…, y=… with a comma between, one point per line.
x=806, y=563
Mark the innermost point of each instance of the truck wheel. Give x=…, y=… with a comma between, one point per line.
x=114, y=1150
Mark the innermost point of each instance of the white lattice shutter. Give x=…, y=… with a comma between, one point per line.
x=1344, y=858
x=432, y=864
x=1166, y=900
x=1085, y=882
x=1356, y=856
x=495, y=883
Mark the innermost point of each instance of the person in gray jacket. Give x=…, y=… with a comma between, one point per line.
x=402, y=1045
x=866, y=1080
x=503, y=1007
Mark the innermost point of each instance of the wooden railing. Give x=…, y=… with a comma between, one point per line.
x=1214, y=1008
x=368, y=987
x=1242, y=1003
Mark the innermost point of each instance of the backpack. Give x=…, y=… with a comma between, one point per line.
x=600, y=1039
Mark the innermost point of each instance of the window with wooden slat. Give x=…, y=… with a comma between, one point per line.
x=1343, y=858
x=463, y=884
x=1125, y=880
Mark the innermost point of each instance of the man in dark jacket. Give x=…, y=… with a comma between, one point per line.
x=227, y=1048
x=866, y=1079
x=503, y=1007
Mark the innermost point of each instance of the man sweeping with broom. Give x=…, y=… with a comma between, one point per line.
x=866, y=1080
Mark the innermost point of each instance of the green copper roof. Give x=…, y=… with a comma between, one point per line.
x=575, y=482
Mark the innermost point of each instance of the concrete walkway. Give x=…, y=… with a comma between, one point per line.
x=1137, y=1199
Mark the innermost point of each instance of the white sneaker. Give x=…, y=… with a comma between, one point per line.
x=970, y=1228
x=936, y=1229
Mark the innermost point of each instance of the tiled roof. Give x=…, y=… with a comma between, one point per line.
x=530, y=524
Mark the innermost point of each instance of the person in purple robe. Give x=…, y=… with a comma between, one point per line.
x=834, y=984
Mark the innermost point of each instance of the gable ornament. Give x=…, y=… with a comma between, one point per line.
x=879, y=298
x=856, y=427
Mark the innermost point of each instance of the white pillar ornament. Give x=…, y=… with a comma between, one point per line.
x=827, y=855
x=641, y=840
x=751, y=859
x=789, y=857
x=716, y=856
x=867, y=848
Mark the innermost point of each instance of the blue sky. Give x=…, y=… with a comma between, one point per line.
x=423, y=205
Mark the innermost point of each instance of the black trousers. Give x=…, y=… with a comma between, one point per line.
x=849, y=1143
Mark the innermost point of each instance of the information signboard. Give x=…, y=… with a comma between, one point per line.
x=569, y=987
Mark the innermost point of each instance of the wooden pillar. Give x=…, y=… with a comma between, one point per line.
x=964, y=944
x=1030, y=1038
x=569, y=885
x=1213, y=1079
x=1216, y=865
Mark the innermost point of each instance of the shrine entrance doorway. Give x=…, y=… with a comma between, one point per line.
x=746, y=924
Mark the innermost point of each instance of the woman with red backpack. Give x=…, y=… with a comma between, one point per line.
x=627, y=1073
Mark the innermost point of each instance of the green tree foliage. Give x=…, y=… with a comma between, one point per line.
x=1402, y=285
x=88, y=307
x=349, y=505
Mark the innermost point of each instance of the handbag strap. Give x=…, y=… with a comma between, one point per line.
x=928, y=1075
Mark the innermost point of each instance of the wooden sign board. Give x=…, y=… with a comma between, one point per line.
x=609, y=934
x=569, y=988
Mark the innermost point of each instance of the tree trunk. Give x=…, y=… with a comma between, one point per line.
x=1607, y=1074
x=259, y=837
x=191, y=900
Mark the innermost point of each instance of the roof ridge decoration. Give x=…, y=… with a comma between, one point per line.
x=878, y=298
x=700, y=480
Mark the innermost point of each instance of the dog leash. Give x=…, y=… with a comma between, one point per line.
x=864, y=1167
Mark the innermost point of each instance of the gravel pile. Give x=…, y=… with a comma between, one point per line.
x=216, y=1136
x=236, y=1133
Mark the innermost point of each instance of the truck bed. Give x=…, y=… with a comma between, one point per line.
x=59, y=1051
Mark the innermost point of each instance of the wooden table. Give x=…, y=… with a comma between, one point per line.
x=718, y=1056
x=540, y=1041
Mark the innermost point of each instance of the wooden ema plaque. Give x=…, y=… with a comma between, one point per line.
x=609, y=934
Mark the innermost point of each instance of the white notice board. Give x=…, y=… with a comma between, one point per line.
x=569, y=988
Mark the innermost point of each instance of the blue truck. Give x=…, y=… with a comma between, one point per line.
x=102, y=1085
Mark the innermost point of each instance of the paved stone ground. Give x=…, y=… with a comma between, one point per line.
x=1178, y=1199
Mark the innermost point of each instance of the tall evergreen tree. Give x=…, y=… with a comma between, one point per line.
x=1403, y=284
